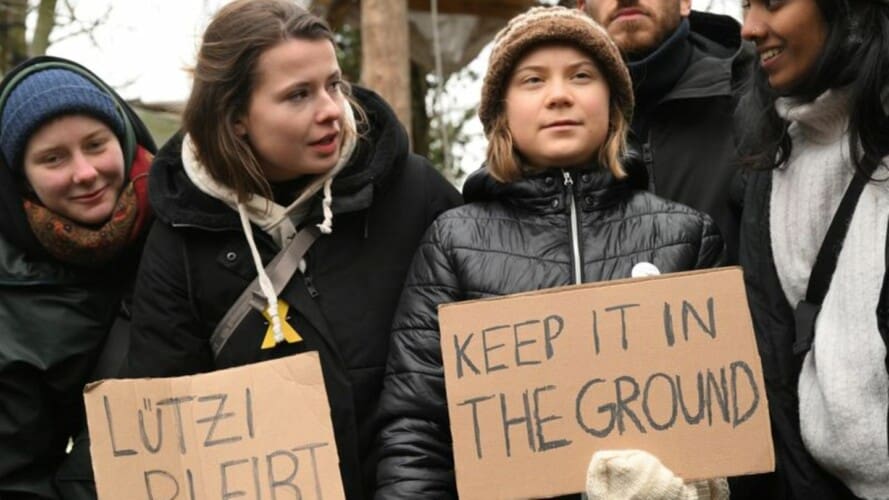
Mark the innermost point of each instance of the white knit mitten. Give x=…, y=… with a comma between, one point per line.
x=639, y=475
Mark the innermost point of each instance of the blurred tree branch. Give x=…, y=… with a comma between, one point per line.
x=77, y=26
x=51, y=17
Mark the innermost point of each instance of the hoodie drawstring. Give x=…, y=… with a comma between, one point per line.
x=326, y=226
x=265, y=284
x=273, y=219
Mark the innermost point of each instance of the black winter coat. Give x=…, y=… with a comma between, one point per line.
x=797, y=476
x=688, y=141
x=512, y=238
x=197, y=262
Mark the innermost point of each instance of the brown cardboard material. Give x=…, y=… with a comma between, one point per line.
x=537, y=382
x=254, y=431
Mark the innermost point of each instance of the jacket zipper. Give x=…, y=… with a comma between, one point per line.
x=648, y=158
x=575, y=231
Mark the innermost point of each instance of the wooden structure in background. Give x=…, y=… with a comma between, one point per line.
x=504, y=9
x=335, y=11
x=389, y=41
x=385, y=56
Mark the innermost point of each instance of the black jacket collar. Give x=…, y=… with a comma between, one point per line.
x=705, y=57
x=543, y=192
x=655, y=74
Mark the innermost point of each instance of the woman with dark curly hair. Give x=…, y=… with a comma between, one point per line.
x=814, y=239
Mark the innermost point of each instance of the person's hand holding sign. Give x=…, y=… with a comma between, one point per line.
x=639, y=475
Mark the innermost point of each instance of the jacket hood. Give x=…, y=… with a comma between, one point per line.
x=718, y=28
x=13, y=224
x=720, y=53
x=381, y=152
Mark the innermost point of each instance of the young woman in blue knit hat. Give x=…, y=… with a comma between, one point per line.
x=74, y=161
x=814, y=239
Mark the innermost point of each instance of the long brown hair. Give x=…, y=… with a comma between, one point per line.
x=224, y=79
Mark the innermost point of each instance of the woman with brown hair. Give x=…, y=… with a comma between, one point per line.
x=276, y=146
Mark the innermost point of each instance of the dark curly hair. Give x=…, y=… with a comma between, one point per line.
x=855, y=57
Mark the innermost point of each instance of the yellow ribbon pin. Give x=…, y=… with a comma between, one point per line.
x=290, y=335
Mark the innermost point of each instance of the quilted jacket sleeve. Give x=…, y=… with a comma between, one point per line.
x=712, y=252
x=415, y=441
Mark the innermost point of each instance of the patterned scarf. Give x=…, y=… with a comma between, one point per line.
x=86, y=246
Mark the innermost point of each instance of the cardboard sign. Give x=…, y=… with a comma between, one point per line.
x=537, y=382
x=256, y=431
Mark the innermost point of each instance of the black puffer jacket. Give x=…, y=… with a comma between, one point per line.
x=197, y=262
x=514, y=237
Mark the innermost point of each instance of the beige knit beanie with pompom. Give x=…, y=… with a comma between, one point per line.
x=542, y=25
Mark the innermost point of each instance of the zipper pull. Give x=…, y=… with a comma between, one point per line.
x=568, y=180
x=313, y=292
x=648, y=159
x=646, y=153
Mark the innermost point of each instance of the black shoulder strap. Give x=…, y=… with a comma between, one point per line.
x=883, y=313
x=825, y=264
x=279, y=271
x=883, y=317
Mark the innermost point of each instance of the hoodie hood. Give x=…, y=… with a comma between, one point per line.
x=183, y=193
x=14, y=224
x=277, y=221
x=381, y=150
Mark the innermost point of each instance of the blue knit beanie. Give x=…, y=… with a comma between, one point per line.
x=45, y=95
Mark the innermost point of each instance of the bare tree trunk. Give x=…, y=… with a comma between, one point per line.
x=13, y=46
x=46, y=21
x=385, y=65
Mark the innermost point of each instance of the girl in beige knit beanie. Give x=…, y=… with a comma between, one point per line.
x=522, y=84
x=600, y=86
x=553, y=206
